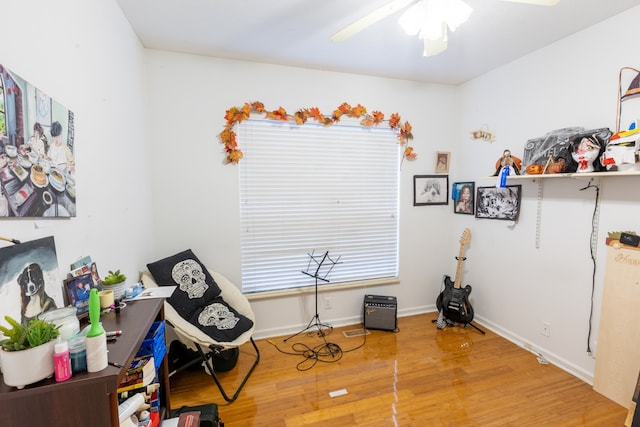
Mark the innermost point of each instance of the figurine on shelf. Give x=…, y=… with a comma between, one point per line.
x=512, y=162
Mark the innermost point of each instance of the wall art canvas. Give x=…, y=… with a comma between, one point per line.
x=29, y=280
x=499, y=203
x=37, y=163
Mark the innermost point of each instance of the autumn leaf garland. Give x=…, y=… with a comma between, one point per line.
x=236, y=115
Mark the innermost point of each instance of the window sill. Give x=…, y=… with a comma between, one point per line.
x=321, y=288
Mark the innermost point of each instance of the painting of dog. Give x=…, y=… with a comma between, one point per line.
x=29, y=281
x=34, y=298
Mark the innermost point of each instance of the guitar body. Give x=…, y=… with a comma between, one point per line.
x=454, y=302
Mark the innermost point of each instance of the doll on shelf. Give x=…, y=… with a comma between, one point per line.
x=512, y=162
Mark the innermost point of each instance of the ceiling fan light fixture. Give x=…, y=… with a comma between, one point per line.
x=412, y=19
x=429, y=19
x=456, y=13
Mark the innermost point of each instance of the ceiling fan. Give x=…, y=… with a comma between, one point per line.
x=428, y=19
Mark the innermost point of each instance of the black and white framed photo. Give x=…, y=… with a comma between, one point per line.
x=463, y=195
x=430, y=190
x=499, y=203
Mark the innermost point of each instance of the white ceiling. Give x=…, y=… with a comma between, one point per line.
x=296, y=33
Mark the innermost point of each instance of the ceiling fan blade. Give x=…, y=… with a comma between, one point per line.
x=537, y=2
x=370, y=19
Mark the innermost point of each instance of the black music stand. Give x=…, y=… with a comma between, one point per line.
x=319, y=261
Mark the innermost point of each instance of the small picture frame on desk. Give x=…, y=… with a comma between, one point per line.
x=77, y=290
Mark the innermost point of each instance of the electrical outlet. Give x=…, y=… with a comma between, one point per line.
x=546, y=329
x=327, y=303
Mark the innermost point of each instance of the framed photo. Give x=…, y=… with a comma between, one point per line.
x=463, y=195
x=430, y=190
x=77, y=289
x=499, y=203
x=442, y=161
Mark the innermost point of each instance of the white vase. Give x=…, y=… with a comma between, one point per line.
x=21, y=368
x=118, y=289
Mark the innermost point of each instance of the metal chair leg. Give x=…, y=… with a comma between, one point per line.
x=208, y=361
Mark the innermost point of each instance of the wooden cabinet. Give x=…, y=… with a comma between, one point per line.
x=618, y=351
x=88, y=398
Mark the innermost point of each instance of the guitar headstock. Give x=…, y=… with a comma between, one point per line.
x=466, y=236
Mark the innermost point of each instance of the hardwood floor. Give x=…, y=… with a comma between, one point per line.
x=419, y=376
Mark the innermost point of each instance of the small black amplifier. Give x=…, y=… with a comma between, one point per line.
x=380, y=312
x=630, y=239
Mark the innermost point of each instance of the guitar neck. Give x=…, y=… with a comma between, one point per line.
x=456, y=284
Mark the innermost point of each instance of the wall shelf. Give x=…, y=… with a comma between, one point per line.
x=570, y=175
x=577, y=175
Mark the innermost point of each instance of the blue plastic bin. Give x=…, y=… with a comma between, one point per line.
x=154, y=344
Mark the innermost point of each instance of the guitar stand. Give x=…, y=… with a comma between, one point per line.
x=475, y=327
x=464, y=325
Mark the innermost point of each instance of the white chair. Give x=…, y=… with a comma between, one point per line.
x=206, y=346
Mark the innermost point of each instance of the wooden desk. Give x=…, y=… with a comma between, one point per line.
x=88, y=398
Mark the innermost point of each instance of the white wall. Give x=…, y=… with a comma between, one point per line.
x=518, y=287
x=85, y=55
x=196, y=202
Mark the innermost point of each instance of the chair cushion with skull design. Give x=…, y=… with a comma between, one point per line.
x=194, y=282
x=220, y=321
x=197, y=296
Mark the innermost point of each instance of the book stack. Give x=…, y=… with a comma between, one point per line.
x=141, y=373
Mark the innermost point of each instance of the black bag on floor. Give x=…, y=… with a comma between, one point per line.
x=181, y=357
x=208, y=414
x=225, y=360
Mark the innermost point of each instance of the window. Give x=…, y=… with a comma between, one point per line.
x=315, y=188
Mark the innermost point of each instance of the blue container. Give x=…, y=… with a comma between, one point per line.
x=78, y=353
x=154, y=344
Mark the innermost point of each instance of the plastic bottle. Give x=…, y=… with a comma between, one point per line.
x=62, y=361
x=78, y=353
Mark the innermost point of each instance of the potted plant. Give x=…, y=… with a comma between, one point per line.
x=115, y=281
x=26, y=352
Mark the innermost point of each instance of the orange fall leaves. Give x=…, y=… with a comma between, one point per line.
x=236, y=115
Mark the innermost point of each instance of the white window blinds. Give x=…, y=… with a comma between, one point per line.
x=315, y=188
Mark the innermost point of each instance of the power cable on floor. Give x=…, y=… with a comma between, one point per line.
x=325, y=352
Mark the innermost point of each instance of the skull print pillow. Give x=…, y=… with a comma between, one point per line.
x=220, y=321
x=195, y=286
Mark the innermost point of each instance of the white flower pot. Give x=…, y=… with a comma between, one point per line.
x=21, y=368
x=118, y=289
